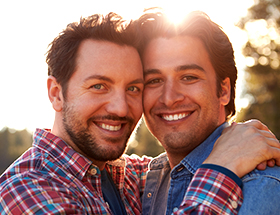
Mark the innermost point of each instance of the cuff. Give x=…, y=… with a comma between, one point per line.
x=212, y=192
x=225, y=171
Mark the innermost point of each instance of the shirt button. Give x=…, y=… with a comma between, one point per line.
x=93, y=171
x=234, y=204
x=149, y=195
x=175, y=209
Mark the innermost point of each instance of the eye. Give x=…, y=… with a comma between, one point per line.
x=153, y=81
x=98, y=86
x=189, y=78
x=133, y=89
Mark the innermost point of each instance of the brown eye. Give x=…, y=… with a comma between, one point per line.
x=189, y=78
x=153, y=81
x=133, y=89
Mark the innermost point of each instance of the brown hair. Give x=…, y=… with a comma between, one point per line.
x=62, y=53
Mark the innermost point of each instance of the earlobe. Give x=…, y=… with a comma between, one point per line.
x=55, y=93
x=226, y=91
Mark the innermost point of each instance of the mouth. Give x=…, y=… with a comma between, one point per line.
x=174, y=117
x=110, y=127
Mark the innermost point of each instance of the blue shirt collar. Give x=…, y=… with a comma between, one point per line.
x=194, y=159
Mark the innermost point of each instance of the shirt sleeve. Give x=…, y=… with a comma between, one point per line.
x=211, y=192
x=225, y=171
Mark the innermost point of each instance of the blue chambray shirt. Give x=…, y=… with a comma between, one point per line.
x=261, y=189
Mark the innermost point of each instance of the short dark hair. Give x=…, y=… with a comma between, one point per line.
x=196, y=24
x=62, y=53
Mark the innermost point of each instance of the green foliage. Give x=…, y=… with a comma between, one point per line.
x=262, y=50
x=12, y=145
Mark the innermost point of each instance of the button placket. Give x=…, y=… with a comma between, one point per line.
x=93, y=171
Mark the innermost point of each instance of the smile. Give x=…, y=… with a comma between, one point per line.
x=110, y=127
x=175, y=117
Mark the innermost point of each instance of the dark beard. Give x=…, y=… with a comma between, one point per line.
x=186, y=142
x=86, y=142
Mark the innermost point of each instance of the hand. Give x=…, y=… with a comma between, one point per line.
x=244, y=146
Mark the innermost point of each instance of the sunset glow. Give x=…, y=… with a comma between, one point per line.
x=29, y=26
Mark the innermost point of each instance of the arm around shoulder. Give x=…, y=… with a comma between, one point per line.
x=211, y=192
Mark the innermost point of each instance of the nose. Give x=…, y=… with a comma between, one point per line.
x=171, y=93
x=118, y=104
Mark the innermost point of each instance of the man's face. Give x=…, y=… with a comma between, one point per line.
x=181, y=106
x=104, y=99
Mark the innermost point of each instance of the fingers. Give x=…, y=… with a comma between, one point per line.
x=275, y=158
x=268, y=138
x=257, y=124
x=262, y=129
x=243, y=147
x=271, y=163
x=262, y=165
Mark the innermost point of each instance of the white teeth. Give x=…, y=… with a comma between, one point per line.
x=111, y=127
x=174, y=117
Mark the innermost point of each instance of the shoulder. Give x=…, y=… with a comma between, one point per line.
x=159, y=162
x=30, y=161
x=137, y=161
x=272, y=173
x=34, y=169
x=38, y=185
x=38, y=192
x=261, y=191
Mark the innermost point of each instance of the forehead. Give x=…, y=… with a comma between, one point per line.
x=174, y=52
x=107, y=59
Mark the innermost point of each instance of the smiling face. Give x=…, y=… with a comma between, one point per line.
x=104, y=100
x=181, y=106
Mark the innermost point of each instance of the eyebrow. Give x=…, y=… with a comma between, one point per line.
x=100, y=77
x=189, y=67
x=137, y=81
x=105, y=78
x=151, y=71
x=177, y=69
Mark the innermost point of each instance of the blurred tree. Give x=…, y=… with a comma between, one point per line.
x=144, y=143
x=262, y=52
x=12, y=144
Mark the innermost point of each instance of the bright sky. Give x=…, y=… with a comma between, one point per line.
x=27, y=27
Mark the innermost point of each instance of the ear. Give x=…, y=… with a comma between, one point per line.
x=226, y=92
x=55, y=93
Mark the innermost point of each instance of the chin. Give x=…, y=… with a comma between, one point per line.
x=108, y=153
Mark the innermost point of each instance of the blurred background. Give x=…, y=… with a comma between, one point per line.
x=27, y=27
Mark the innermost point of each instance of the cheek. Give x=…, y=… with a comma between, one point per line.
x=202, y=92
x=136, y=107
x=148, y=100
x=87, y=105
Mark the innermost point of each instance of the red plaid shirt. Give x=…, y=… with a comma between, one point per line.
x=211, y=192
x=51, y=178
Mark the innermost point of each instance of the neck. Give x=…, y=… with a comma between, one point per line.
x=174, y=158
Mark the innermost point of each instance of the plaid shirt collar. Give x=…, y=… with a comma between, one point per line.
x=74, y=162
